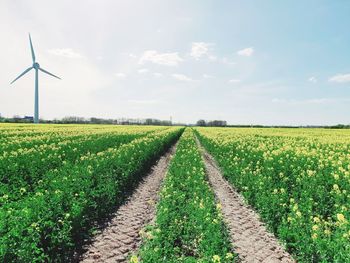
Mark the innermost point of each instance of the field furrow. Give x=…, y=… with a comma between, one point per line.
x=123, y=234
x=249, y=236
x=188, y=226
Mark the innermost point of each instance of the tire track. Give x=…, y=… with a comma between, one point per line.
x=249, y=236
x=122, y=235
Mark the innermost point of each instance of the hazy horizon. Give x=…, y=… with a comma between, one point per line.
x=246, y=62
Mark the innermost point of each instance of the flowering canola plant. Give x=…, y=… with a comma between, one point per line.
x=25, y=167
x=57, y=205
x=297, y=179
x=189, y=225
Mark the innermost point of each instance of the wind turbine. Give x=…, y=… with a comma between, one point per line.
x=37, y=67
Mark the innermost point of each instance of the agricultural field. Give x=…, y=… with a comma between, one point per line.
x=173, y=194
x=297, y=179
x=61, y=179
x=189, y=225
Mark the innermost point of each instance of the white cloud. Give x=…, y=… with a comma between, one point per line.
x=157, y=75
x=340, y=78
x=232, y=81
x=120, y=75
x=199, y=49
x=65, y=52
x=206, y=76
x=143, y=102
x=312, y=101
x=317, y=101
x=302, y=101
x=167, y=59
x=143, y=70
x=312, y=79
x=246, y=52
x=181, y=77
x=225, y=60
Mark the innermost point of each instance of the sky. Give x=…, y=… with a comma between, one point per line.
x=247, y=62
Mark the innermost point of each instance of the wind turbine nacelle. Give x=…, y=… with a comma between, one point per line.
x=36, y=65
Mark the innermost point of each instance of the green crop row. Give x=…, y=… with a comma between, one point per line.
x=16, y=133
x=21, y=170
x=300, y=185
x=23, y=138
x=49, y=224
x=189, y=225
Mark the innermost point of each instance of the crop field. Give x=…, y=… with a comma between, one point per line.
x=297, y=179
x=188, y=219
x=99, y=193
x=58, y=180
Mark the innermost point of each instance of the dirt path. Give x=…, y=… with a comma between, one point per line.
x=249, y=236
x=121, y=236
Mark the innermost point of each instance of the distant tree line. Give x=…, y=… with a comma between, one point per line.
x=92, y=120
x=16, y=119
x=339, y=126
x=150, y=121
x=214, y=123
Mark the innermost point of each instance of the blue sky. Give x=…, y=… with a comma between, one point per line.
x=248, y=62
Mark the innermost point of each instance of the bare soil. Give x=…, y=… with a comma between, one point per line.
x=122, y=235
x=249, y=236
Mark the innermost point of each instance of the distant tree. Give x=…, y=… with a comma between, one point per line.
x=73, y=119
x=156, y=122
x=339, y=126
x=165, y=123
x=217, y=123
x=16, y=119
x=201, y=123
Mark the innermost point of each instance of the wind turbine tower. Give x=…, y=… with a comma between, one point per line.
x=37, y=67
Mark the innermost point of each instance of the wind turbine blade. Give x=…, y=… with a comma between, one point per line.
x=28, y=69
x=31, y=48
x=43, y=70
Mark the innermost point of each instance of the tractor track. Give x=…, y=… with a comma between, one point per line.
x=122, y=237
x=249, y=236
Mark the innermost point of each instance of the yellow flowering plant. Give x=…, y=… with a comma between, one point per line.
x=297, y=179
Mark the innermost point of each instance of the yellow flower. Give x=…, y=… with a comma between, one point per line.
x=298, y=214
x=341, y=218
x=295, y=207
x=216, y=258
x=134, y=259
x=229, y=255
x=315, y=227
x=314, y=236
x=316, y=219
x=327, y=232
